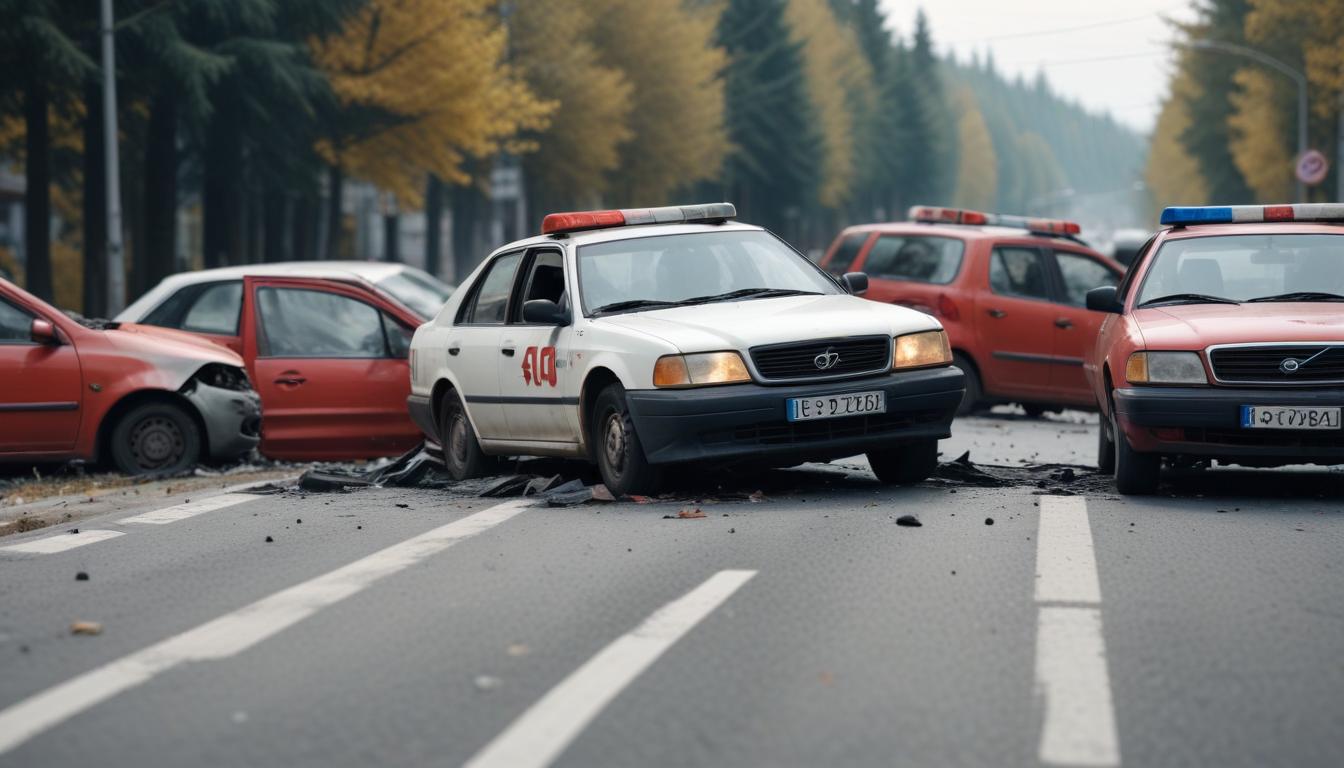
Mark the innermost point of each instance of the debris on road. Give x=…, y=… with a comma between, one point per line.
x=86, y=628
x=518, y=649
x=686, y=514
x=82, y=576
x=989, y=521
x=486, y=682
x=757, y=497
x=909, y=521
x=269, y=540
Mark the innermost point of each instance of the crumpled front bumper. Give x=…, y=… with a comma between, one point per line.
x=232, y=418
x=747, y=421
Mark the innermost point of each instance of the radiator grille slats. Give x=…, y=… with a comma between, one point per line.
x=1265, y=365
x=798, y=361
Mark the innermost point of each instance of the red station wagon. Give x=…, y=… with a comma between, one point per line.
x=1225, y=342
x=1011, y=292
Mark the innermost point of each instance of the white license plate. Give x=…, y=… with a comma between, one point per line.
x=835, y=406
x=1288, y=417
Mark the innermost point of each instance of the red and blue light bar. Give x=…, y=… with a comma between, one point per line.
x=1252, y=214
x=936, y=215
x=578, y=221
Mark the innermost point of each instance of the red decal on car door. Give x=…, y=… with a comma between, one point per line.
x=539, y=366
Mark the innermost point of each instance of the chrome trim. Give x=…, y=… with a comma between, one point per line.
x=1209, y=350
x=756, y=376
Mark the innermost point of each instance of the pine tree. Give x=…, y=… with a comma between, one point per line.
x=1208, y=136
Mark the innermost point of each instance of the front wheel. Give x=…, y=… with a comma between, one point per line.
x=1105, y=448
x=1136, y=474
x=156, y=438
x=975, y=392
x=906, y=464
x=620, y=456
x=462, y=454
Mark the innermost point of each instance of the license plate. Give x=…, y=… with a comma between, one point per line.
x=1288, y=417
x=835, y=406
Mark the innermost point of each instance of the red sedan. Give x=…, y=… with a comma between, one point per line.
x=148, y=400
x=1225, y=343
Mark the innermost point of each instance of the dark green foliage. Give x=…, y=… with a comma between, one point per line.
x=1208, y=139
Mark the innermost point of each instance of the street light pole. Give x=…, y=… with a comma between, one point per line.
x=116, y=270
x=1273, y=63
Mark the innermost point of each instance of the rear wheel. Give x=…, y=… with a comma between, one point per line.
x=156, y=438
x=970, y=402
x=620, y=456
x=1136, y=474
x=905, y=464
x=462, y=454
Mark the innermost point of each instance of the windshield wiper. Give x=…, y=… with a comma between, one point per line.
x=754, y=293
x=1300, y=296
x=622, y=306
x=1188, y=298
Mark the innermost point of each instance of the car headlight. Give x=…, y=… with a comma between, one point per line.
x=224, y=377
x=700, y=370
x=921, y=350
x=1165, y=368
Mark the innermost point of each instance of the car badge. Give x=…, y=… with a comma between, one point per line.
x=826, y=360
x=1289, y=365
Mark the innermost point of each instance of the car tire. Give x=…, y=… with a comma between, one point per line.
x=620, y=456
x=462, y=455
x=1034, y=410
x=155, y=438
x=1105, y=448
x=906, y=464
x=970, y=402
x=1136, y=474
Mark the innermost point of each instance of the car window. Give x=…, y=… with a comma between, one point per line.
x=545, y=280
x=919, y=259
x=844, y=254
x=398, y=338
x=1081, y=275
x=216, y=310
x=1243, y=267
x=16, y=326
x=1018, y=272
x=418, y=290
x=304, y=323
x=491, y=302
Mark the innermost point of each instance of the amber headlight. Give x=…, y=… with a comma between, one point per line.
x=1165, y=368
x=921, y=350
x=700, y=370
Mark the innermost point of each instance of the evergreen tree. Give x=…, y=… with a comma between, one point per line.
x=927, y=124
x=1208, y=134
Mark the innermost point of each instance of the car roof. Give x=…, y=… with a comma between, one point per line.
x=1256, y=228
x=959, y=231
x=609, y=234
x=368, y=270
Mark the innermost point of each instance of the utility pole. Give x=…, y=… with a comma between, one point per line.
x=116, y=269
x=1287, y=71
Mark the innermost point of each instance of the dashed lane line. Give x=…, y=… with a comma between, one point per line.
x=546, y=729
x=1071, y=671
x=60, y=542
x=235, y=632
x=190, y=509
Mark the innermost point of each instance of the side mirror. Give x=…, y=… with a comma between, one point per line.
x=544, y=312
x=1104, y=299
x=43, y=332
x=855, y=282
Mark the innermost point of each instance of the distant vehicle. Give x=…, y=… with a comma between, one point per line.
x=325, y=342
x=643, y=339
x=146, y=400
x=1224, y=343
x=1009, y=290
x=1125, y=244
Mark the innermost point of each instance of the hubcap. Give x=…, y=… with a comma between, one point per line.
x=615, y=443
x=156, y=442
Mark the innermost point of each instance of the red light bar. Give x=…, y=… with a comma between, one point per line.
x=578, y=221
x=935, y=215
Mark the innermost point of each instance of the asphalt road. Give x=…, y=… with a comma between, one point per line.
x=416, y=627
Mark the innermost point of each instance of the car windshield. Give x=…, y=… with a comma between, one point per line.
x=651, y=272
x=1245, y=268
x=418, y=290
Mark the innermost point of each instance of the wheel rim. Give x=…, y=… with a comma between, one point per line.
x=157, y=442
x=614, y=443
x=457, y=440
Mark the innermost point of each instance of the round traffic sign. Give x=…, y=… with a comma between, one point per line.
x=1312, y=167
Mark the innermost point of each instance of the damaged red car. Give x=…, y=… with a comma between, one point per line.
x=144, y=400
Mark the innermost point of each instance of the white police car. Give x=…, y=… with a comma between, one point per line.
x=645, y=338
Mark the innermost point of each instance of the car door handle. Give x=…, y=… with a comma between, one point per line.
x=997, y=313
x=507, y=351
x=291, y=380
x=1063, y=322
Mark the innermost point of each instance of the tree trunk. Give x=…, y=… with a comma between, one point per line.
x=222, y=233
x=335, y=217
x=273, y=237
x=391, y=237
x=467, y=207
x=37, y=196
x=303, y=235
x=433, y=223
x=95, y=204
x=160, y=202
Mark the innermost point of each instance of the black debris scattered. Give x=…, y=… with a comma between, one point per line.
x=269, y=540
x=732, y=530
x=359, y=527
x=989, y=521
x=299, y=521
x=909, y=521
x=403, y=506
x=81, y=576
x=74, y=530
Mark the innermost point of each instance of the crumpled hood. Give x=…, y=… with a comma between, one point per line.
x=1196, y=326
x=162, y=344
x=744, y=324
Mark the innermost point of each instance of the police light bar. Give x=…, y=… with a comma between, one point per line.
x=935, y=215
x=1247, y=214
x=577, y=221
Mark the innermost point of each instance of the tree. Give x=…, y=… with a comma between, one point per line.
x=977, y=169
x=1173, y=175
x=1261, y=140
x=1208, y=136
x=927, y=124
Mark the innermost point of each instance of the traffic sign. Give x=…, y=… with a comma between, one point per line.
x=1312, y=167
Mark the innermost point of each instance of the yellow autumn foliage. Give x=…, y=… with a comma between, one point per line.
x=438, y=67
x=977, y=165
x=1260, y=139
x=1314, y=26
x=1173, y=175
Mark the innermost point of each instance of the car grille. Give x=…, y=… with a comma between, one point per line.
x=1262, y=365
x=794, y=361
x=823, y=430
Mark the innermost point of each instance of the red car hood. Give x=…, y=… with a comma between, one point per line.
x=1196, y=326
x=157, y=343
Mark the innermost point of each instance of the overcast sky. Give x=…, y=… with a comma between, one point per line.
x=1110, y=55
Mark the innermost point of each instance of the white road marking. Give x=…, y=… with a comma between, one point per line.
x=60, y=542
x=235, y=632
x=1071, y=672
x=541, y=733
x=191, y=509
x=1066, y=568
